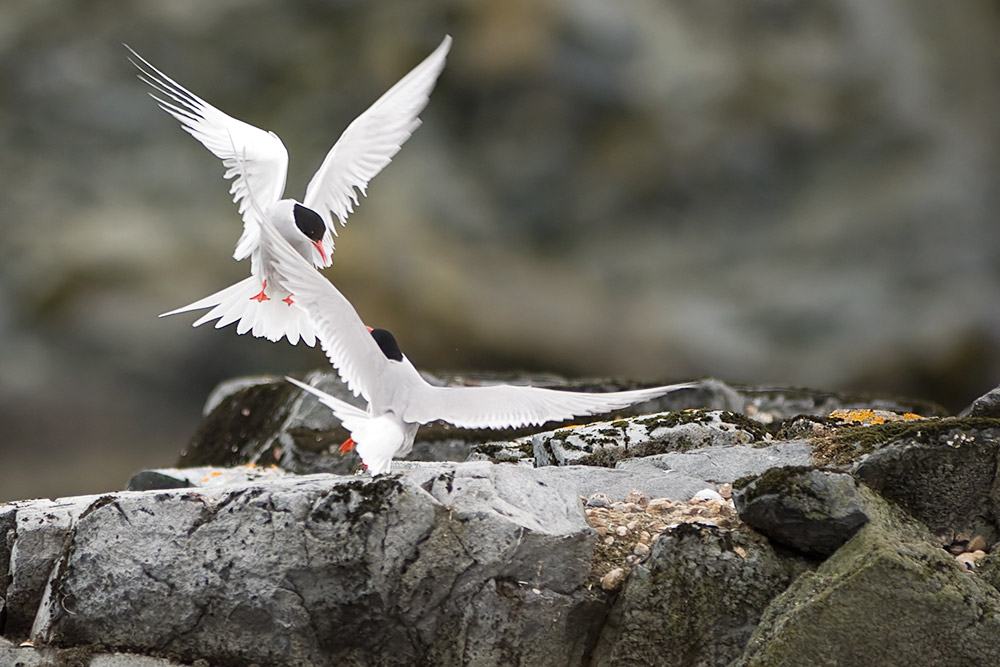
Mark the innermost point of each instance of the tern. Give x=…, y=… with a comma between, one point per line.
x=259, y=161
x=399, y=400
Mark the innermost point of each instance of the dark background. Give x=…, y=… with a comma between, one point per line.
x=764, y=191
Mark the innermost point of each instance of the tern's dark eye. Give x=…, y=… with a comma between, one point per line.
x=309, y=222
x=387, y=343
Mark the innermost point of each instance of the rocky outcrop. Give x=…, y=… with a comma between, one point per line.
x=698, y=537
x=888, y=596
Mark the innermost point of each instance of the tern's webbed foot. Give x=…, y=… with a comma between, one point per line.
x=260, y=297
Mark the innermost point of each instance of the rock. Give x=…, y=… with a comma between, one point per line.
x=987, y=405
x=706, y=494
x=887, y=597
x=613, y=580
x=439, y=564
x=31, y=656
x=606, y=443
x=695, y=600
x=970, y=559
x=813, y=511
x=723, y=464
x=617, y=484
x=598, y=500
x=943, y=472
x=202, y=477
x=150, y=480
x=42, y=532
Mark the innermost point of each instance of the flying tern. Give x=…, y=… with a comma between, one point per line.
x=399, y=399
x=258, y=161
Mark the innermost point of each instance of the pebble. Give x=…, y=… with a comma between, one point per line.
x=977, y=543
x=659, y=505
x=641, y=550
x=613, y=580
x=598, y=500
x=970, y=559
x=637, y=497
x=707, y=494
x=621, y=531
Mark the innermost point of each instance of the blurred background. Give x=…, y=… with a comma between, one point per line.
x=768, y=192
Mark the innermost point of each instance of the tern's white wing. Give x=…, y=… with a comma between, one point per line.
x=505, y=406
x=348, y=414
x=370, y=142
x=346, y=341
x=264, y=158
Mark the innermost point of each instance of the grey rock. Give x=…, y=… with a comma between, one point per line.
x=30, y=656
x=454, y=563
x=616, y=484
x=943, y=473
x=42, y=533
x=26, y=656
x=887, y=597
x=987, y=405
x=696, y=600
x=723, y=464
x=813, y=511
x=606, y=443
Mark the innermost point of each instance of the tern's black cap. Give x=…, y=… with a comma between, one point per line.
x=309, y=222
x=387, y=343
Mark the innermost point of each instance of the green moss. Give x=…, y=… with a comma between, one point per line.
x=850, y=442
x=672, y=419
x=603, y=457
x=772, y=481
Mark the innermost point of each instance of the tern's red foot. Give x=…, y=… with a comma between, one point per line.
x=261, y=297
x=347, y=446
x=288, y=300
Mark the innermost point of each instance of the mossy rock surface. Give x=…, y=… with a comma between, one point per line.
x=887, y=597
x=696, y=600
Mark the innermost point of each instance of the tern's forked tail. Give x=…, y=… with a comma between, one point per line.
x=264, y=317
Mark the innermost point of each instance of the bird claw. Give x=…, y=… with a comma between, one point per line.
x=347, y=446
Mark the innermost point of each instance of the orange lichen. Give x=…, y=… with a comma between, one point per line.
x=872, y=417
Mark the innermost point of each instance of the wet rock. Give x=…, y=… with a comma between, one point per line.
x=695, y=600
x=812, y=511
x=887, y=597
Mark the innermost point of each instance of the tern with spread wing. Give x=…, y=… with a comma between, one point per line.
x=399, y=399
x=258, y=161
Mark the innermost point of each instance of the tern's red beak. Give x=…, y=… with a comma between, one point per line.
x=369, y=328
x=319, y=247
